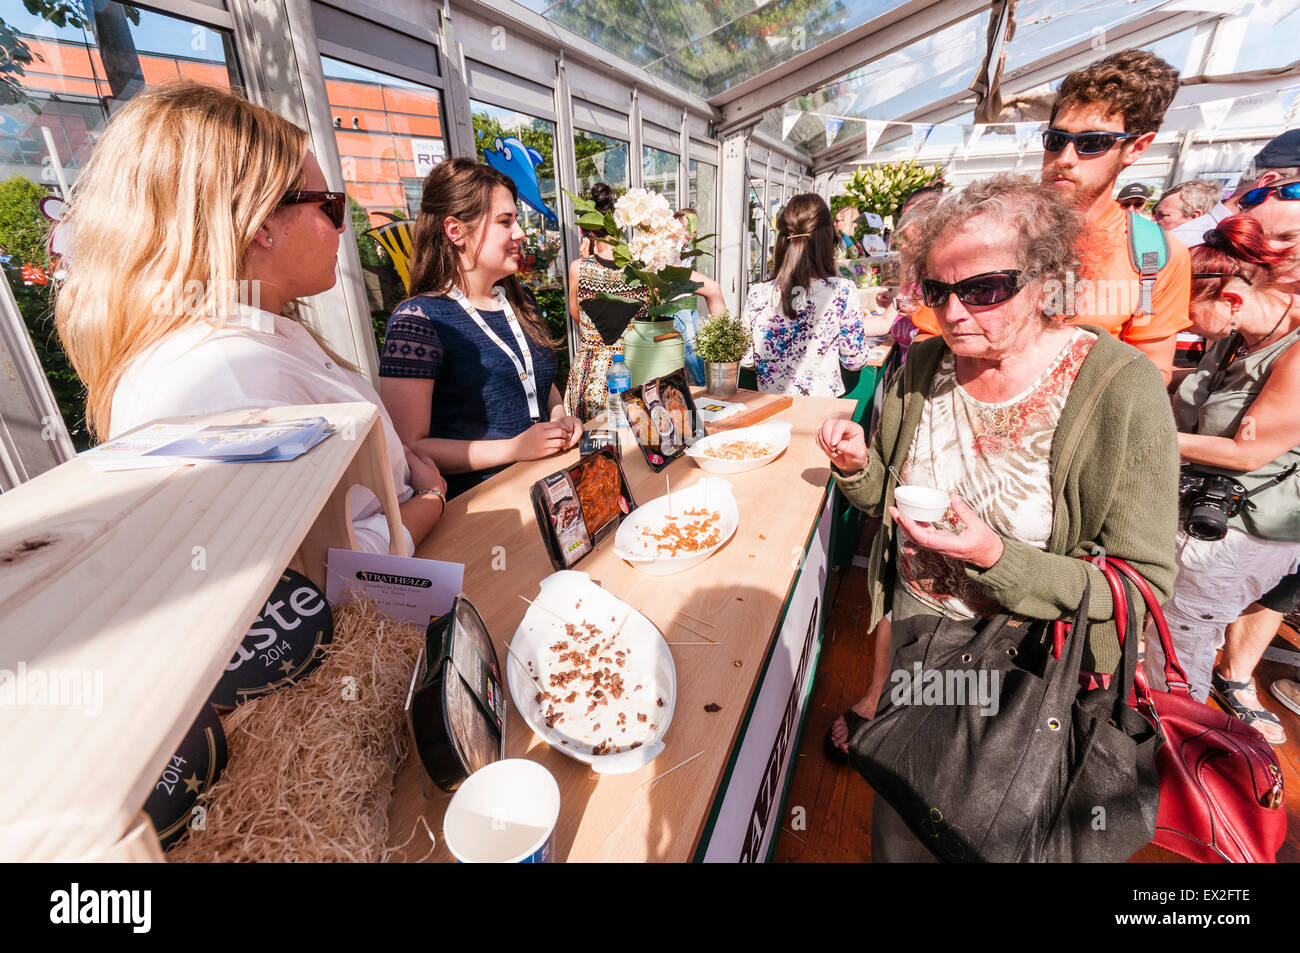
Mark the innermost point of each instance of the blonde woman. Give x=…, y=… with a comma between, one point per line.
x=198, y=222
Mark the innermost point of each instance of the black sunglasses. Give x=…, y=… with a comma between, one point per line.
x=1286, y=193
x=1085, y=143
x=333, y=204
x=989, y=288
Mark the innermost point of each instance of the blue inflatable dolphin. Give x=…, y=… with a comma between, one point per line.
x=520, y=163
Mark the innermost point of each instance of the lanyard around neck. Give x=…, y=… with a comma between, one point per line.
x=524, y=369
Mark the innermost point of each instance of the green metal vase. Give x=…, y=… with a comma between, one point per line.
x=647, y=358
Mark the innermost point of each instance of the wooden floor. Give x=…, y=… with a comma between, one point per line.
x=836, y=802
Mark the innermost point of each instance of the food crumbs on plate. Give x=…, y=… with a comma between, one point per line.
x=712, y=707
x=761, y=536
x=751, y=555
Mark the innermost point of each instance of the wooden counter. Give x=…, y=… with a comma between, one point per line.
x=741, y=589
x=132, y=589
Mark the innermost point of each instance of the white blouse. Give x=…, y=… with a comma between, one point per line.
x=256, y=359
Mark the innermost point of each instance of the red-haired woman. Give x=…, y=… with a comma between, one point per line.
x=1237, y=422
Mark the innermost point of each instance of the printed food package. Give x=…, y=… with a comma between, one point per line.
x=579, y=506
x=663, y=418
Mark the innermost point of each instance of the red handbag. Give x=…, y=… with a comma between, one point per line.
x=1220, y=784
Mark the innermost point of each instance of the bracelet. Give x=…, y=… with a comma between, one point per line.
x=435, y=493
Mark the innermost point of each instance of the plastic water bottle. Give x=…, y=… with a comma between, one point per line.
x=617, y=380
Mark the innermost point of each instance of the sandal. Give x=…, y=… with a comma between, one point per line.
x=1242, y=700
x=853, y=721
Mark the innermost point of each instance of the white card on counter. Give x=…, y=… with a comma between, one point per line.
x=712, y=410
x=403, y=587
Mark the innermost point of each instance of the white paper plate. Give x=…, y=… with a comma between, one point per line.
x=775, y=433
x=650, y=662
x=712, y=492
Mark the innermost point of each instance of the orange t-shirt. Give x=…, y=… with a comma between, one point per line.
x=1107, y=292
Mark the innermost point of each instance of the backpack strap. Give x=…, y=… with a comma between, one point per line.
x=1147, y=252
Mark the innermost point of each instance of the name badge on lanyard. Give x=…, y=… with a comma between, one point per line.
x=523, y=368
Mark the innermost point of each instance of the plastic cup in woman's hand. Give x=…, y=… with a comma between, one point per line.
x=921, y=504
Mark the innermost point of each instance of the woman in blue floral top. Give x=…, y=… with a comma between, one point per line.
x=806, y=321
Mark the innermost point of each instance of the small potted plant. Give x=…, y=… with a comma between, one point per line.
x=720, y=343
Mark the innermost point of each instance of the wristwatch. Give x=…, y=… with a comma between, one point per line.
x=435, y=493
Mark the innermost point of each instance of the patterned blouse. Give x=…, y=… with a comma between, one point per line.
x=803, y=355
x=996, y=457
x=585, y=396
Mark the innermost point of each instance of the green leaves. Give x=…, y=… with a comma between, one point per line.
x=722, y=339
x=882, y=188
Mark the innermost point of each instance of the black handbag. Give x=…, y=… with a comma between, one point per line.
x=1056, y=774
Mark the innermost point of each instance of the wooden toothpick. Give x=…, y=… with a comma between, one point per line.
x=544, y=608
x=524, y=666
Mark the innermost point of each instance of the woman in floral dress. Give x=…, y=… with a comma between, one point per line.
x=805, y=322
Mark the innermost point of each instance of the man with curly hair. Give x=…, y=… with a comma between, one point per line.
x=1104, y=118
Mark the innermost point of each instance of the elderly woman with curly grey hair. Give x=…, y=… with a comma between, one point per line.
x=1053, y=441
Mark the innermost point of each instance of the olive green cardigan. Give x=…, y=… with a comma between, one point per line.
x=1114, y=466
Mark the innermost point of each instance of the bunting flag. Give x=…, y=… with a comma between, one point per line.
x=833, y=124
x=971, y=134
x=788, y=118
x=920, y=133
x=874, y=128
x=1214, y=112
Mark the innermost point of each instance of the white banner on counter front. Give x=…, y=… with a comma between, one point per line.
x=749, y=817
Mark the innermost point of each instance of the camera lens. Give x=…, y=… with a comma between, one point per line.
x=1207, y=520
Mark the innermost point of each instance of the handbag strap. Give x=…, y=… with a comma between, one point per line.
x=1118, y=597
x=1132, y=680
x=1175, y=677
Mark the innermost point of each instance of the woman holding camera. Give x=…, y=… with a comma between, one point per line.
x=1239, y=436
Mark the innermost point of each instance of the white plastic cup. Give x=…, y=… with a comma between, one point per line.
x=504, y=813
x=921, y=504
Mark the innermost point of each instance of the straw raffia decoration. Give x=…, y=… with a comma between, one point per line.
x=310, y=773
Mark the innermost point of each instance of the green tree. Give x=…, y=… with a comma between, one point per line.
x=23, y=229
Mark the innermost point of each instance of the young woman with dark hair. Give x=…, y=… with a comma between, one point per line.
x=468, y=366
x=1236, y=419
x=805, y=321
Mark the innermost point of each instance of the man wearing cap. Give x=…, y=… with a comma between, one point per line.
x=1133, y=197
x=1278, y=160
x=1104, y=118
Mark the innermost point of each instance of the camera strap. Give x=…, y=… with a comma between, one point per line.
x=1284, y=475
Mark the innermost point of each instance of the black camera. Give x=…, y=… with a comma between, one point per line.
x=1210, y=500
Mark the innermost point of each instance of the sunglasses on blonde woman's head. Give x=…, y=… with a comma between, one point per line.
x=983, y=290
x=333, y=204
